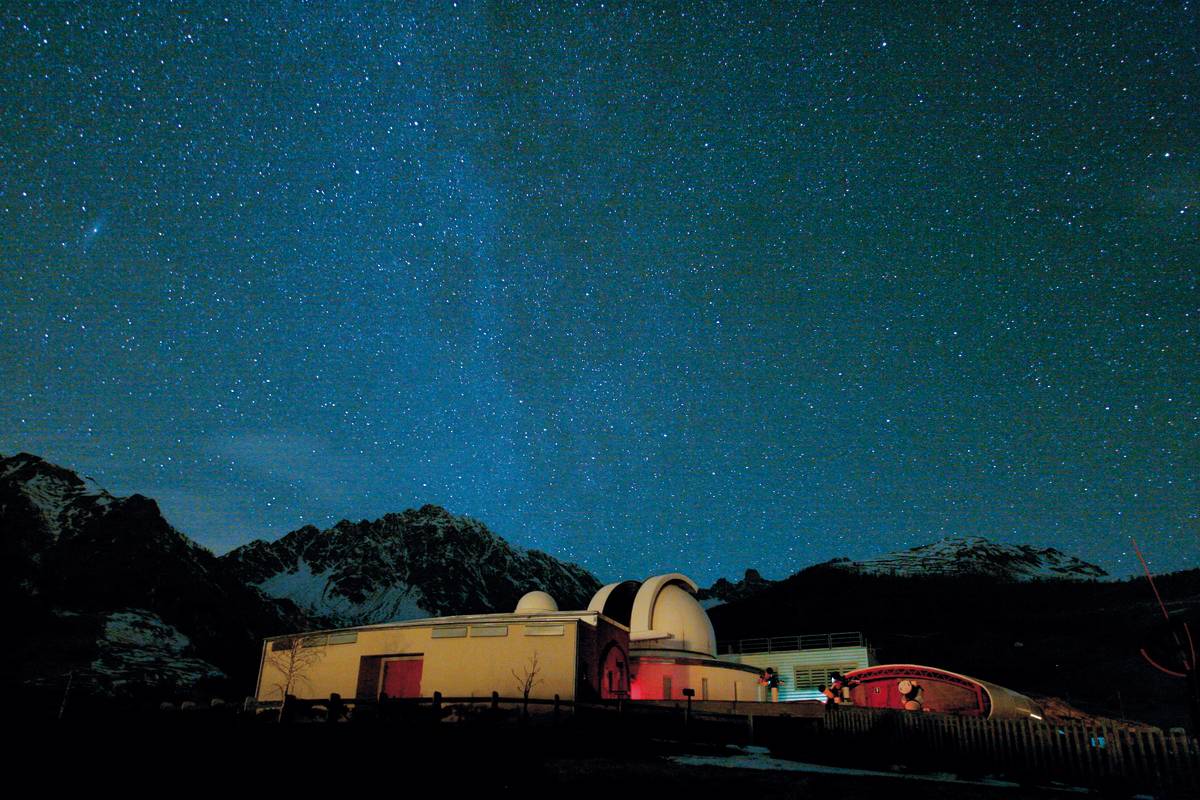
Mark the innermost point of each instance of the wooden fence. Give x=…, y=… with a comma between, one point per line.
x=1025, y=750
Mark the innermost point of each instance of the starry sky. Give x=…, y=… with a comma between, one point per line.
x=696, y=287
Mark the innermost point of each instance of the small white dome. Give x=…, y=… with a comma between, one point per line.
x=536, y=603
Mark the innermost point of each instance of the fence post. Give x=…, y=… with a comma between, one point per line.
x=1116, y=756
x=437, y=701
x=1090, y=756
x=333, y=711
x=1145, y=765
x=982, y=743
x=1028, y=744
x=495, y=700
x=1012, y=754
x=1154, y=745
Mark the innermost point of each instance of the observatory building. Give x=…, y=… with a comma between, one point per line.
x=641, y=640
x=672, y=646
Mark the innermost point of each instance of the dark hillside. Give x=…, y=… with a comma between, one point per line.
x=1071, y=639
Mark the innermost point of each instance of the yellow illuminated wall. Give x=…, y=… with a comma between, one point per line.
x=470, y=665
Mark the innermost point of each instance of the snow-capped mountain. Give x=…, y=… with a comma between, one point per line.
x=75, y=558
x=974, y=555
x=50, y=498
x=418, y=563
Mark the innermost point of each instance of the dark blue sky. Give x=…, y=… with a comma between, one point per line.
x=698, y=288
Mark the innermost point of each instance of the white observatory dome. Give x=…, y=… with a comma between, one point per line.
x=536, y=603
x=666, y=616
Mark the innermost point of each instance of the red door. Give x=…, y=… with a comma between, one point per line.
x=402, y=678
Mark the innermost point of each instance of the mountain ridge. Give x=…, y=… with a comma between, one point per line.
x=976, y=555
x=82, y=569
x=418, y=562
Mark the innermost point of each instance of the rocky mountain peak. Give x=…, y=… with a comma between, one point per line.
x=416, y=563
x=39, y=495
x=94, y=569
x=727, y=591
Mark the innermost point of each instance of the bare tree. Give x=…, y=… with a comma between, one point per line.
x=527, y=679
x=292, y=658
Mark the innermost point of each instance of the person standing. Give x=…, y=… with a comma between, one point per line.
x=770, y=682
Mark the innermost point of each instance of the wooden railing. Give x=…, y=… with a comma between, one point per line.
x=1097, y=756
x=1027, y=751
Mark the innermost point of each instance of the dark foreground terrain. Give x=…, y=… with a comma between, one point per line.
x=302, y=760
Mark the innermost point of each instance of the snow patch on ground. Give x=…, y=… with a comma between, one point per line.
x=138, y=648
x=140, y=629
x=760, y=758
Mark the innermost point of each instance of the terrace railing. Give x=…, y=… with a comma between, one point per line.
x=776, y=644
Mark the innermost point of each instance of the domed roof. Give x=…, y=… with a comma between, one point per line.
x=666, y=616
x=536, y=603
x=615, y=600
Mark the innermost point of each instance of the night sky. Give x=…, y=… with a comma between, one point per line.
x=699, y=288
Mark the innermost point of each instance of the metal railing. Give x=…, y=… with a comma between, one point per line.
x=809, y=641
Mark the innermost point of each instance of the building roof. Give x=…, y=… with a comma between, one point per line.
x=660, y=613
x=588, y=617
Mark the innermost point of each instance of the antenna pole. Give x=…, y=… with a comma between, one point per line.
x=1150, y=578
x=1190, y=672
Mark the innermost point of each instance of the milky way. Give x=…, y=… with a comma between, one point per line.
x=689, y=289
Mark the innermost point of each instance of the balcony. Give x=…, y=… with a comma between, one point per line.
x=777, y=644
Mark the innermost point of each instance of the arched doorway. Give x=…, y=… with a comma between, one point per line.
x=614, y=672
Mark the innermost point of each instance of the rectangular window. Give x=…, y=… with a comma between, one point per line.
x=489, y=630
x=545, y=630
x=315, y=640
x=816, y=676
x=457, y=632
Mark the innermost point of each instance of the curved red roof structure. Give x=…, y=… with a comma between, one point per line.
x=915, y=687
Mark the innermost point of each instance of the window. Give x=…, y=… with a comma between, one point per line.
x=456, y=632
x=489, y=630
x=816, y=676
x=315, y=640
x=545, y=630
